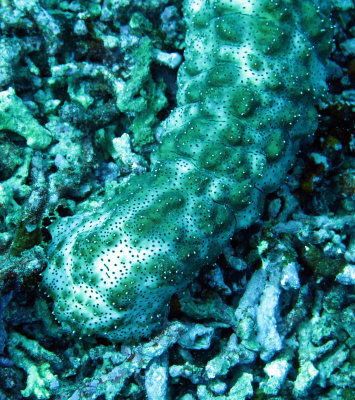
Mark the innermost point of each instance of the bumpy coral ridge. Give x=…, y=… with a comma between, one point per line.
x=252, y=72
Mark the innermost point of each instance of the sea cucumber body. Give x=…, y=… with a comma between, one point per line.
x=246, y=97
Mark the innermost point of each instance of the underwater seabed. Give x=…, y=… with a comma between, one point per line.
x=83, y=87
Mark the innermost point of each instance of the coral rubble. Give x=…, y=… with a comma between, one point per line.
x=91, y=105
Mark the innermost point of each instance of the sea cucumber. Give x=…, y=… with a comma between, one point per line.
x=252, y=73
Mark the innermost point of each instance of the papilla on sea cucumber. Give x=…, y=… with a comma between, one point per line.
x=247, y=89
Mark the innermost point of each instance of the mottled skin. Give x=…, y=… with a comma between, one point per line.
x=252, y=72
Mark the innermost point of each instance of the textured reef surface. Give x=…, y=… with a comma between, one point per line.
x=177, y=199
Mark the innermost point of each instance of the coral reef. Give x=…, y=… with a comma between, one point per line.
x=88, y=84
x=16, y=118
